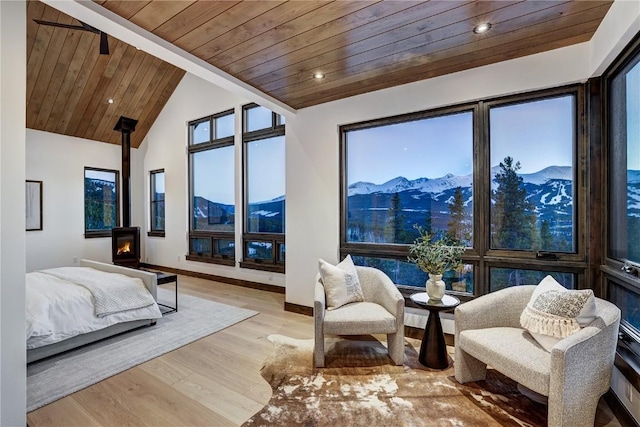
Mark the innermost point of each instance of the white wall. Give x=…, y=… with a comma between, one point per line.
x=59, y=162
x=12, y=212
x=166, y=145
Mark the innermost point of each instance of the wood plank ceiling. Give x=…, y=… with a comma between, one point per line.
x=360, y=46
x=69, y=82
x=277, y=46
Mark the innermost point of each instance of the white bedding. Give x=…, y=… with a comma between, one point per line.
x=57, y=310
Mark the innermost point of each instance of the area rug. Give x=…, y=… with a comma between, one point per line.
x=360, y=387
x=53, y=378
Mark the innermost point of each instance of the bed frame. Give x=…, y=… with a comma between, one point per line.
x=150, y=281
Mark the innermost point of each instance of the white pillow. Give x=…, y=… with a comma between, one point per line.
x=341, y=284
x=554, y=312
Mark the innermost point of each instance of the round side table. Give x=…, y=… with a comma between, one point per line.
x=433, y=350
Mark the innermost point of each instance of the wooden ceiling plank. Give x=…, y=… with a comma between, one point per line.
x=430, y=73
x=39, y=50
x=88, y=91
x=357, y=13
x=505, y=20
x=102, y=107
x=91, y=58
x=157, y=12
x=148, y=66
x=367, y=37
x=280, y=34
x=98, y=100
x=125, y=8
x=424, y=54
x=231, y=18
x=119, y=95
x=139, y=101
x=257, y=27
x=69, y=82
x=395, y=75
x=54, y=48
x=191, y=18
x=158, y=102
x=35, y=9
x=59, y=72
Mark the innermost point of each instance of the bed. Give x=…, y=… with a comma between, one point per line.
x=62, y=315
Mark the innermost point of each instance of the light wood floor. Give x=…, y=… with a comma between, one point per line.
x=214, y=381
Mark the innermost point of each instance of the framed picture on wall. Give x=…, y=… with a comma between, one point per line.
x=34, y=205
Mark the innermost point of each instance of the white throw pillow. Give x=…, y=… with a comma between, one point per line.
x=554, y=312
x=341, y=284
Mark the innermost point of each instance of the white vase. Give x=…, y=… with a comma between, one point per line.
x=435, y=287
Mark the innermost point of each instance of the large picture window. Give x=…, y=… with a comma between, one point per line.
x=100, y=202
x=623, y=208
x=211, y=189
x=498, y=176
x=264, y=189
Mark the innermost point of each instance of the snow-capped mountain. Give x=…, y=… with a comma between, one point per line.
x=450, y=181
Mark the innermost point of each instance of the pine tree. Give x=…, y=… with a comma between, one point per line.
x=513, y=216
x=457, y=226
x=546, y=237
x=394, y=230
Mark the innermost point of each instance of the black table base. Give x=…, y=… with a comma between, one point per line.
x=433, y=350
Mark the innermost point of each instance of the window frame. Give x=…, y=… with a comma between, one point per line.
x=613, y=272
x=155, y=232
x=275, y=264
x=91, y=234
x=481, y=256
x=214, y=236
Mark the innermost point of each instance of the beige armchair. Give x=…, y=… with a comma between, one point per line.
x=381, y=312
x=573, y=375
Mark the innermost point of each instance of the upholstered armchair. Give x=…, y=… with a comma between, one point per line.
x=574, y=374
x=381, y=312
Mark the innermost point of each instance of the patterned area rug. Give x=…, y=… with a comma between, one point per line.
x=360, y=387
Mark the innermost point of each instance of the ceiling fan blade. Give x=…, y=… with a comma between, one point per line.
x=104, y=44
x=88, y=27
x=57, y=24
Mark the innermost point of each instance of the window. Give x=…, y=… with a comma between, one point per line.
x=532, y=197
x=101, y=208
x=211, y=189
x=264, y=189
x=468, y=173
x=622, y=130
x=156, y=190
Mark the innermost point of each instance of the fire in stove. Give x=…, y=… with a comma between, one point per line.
x=125, y=249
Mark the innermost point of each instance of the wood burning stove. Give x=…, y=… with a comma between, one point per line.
x=125, y=246
x=125, y=240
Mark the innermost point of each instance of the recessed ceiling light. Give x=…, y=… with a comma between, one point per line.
x=318, y=75
x=110, y=101
x=482, y=28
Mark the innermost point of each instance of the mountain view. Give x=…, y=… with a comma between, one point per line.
x=264, y=217
x=427, y=202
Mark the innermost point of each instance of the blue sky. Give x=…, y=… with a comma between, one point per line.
x=537, y=134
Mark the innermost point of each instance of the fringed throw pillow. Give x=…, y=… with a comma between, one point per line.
x=341, y=284
x=554, y=313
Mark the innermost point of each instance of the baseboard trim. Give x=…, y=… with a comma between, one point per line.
x=297, y=308
x=620, y=411
x=213, y=277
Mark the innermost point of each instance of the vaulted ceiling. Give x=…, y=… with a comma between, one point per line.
x=276, y=47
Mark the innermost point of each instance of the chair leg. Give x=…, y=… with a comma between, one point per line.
x=572, y=410
x=395, y=346
x=467, y=368
x=318, y=351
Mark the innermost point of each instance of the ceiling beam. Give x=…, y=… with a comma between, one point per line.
x=122, y=29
